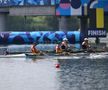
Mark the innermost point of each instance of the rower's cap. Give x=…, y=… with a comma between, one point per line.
x=85, y=39
x=65, y=39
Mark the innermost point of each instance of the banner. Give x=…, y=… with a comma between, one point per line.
x=26, y=2
x=4, y=3
x=97, y=32
x=68, y=7
x=42, y=37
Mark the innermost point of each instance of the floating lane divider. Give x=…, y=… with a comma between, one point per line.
x=42, y=37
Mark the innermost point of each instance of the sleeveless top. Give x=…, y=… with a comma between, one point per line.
x=34, y=50
x=58, y=49
x=84, y=45
x=63, y=45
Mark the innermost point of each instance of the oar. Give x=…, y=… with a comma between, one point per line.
x=46, y=53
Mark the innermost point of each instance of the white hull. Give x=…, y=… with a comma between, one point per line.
x=12, y=56
x=72, y=56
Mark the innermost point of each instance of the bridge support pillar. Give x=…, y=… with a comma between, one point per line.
x=2, y=22
x=84, y=25
x=63, y=23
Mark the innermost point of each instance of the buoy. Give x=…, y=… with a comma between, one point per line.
x=57, y=65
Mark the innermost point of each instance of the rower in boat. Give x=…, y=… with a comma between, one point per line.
x=34, y=50
x=85, y=44
x=58, y=48
x=64, y=44
x=62, y=47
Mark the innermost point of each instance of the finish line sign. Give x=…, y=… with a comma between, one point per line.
x=97, y=32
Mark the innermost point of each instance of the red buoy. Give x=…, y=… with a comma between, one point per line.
x=57, y=65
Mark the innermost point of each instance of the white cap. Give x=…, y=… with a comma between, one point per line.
x=85, y=39
x=65, y=39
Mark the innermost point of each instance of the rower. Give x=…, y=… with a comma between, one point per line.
x=58, y=48
x=85, y=44
x=34, y=50
x=64, y=44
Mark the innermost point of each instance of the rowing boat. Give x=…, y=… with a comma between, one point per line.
x=75, y=55
x=31, y=55
x=60, y=57
x=13, y=56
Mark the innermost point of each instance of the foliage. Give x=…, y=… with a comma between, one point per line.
x=39, y=23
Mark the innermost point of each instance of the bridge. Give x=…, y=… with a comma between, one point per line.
x=84, y=9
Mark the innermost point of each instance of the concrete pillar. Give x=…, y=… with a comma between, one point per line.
x=2, y=22
x=84, y=25
x=63, y=23
x=84, y=21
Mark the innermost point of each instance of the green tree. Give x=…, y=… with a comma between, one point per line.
x=39, y=23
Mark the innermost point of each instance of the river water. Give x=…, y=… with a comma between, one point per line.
x=41, y=74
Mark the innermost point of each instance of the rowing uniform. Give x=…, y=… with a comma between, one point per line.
x=85, y=45
x=58, y=49
x=34, y=50
x=64, y=45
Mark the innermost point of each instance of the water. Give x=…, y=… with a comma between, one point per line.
x=41, y=74
x=83, y=75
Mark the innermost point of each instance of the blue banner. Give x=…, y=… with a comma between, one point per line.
x=26, y=2
x=77, y=3
x=4, y=2
x=39, y=37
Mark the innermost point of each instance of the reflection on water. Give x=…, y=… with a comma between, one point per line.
x=41, y=74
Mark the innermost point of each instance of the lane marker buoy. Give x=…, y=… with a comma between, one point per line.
x=57, y=65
